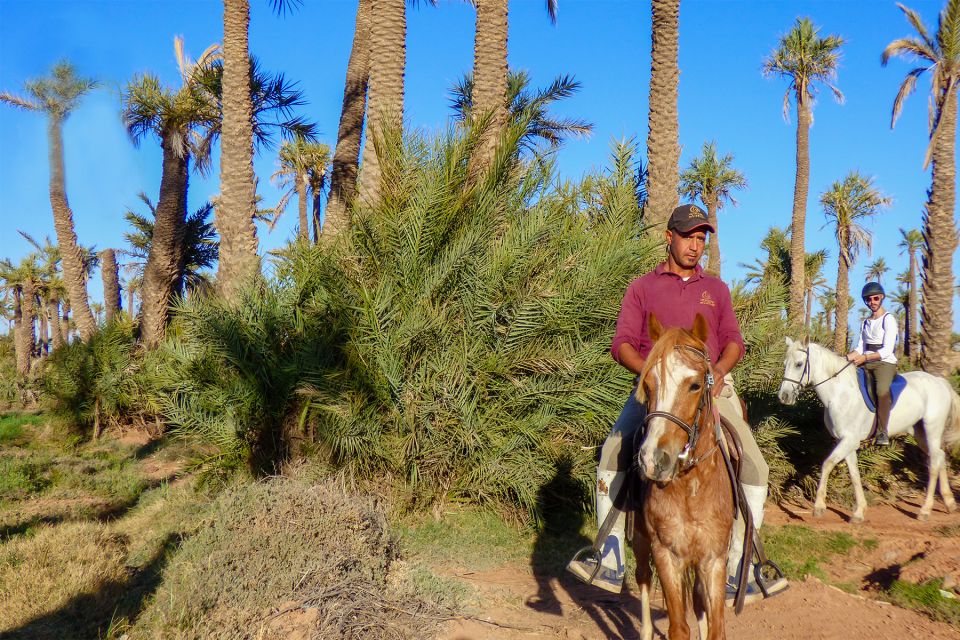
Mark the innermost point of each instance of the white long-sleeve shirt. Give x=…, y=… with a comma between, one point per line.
x=882, y=331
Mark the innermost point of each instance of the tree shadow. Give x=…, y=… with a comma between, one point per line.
x=562, y=504
x=90, y=615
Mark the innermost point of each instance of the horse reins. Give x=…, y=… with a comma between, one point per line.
x=806, y=372
x=692, y=429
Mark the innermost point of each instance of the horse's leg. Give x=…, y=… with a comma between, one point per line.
x=709, y=597
x=851, y=461
x=945, y=491
x=936, y=462
x=670, y=570
x=641, y=551
x=841, y=451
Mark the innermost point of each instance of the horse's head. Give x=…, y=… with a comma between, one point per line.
x=673, y=384
x=796, y=370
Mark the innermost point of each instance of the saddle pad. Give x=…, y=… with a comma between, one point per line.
x=899, y=382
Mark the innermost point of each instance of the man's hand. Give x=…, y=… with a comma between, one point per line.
x=718, y=380
x=856, y=358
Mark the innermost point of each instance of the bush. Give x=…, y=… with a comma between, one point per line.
x=93, y=384
x=333, y=554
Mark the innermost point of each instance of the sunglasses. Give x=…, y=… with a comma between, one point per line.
x=874, y=298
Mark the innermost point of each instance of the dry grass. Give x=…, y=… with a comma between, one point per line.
x=60, y=582
x=284, y=555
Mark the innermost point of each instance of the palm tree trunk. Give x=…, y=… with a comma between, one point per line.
x=130, y=299
x=713, y=247
x=940, y=235
x=25, y=350
x=316, y=215
x=65, y=324
x=489, y=78
x=71, y=256
x=843, y=295
x=53, y=310
x=797, y=226
x=238, y=235
x=43, y=343
x=911, y=346
x=21, y=348
x=663, y=139
x=346, y=157
x=808, y=319
x=388, y=33
x=162, y=268
x=111, y=283
x=302, y=204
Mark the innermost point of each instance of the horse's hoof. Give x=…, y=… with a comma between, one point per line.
x=923, y=517
x=855, y=519
x=819, y=511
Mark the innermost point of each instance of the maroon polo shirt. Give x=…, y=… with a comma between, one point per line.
x=676, y=303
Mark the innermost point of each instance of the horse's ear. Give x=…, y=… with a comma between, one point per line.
x=789, y=341
x=655, y=328
x=700, y=330
x=806, y=341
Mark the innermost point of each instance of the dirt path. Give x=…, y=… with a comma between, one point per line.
x=512, y=603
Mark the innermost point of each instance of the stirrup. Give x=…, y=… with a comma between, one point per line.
x=590, y=554
x=770, y=578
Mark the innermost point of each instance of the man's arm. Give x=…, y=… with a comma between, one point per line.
x=630, y=358
x=729, y=358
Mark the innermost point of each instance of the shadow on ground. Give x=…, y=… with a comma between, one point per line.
x=90, y=615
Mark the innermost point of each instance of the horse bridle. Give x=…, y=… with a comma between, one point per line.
x=806, y=371
x=692, y=430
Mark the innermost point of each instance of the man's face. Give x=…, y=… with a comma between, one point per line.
x=687, y=248
x=874, y=302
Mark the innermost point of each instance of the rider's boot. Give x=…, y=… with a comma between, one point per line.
x=883, y=418
x=609, y=576
x=756, y=497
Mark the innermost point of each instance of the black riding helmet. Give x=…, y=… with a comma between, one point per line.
x=872, y=289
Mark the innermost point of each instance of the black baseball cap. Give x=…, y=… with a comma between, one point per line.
x=688, y=217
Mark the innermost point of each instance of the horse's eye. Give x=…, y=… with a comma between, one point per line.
x=695, y=386
x=797, y=365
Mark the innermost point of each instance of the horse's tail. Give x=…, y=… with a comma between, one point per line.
x=951, y=430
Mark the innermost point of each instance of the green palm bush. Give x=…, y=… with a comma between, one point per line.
x=454, y=344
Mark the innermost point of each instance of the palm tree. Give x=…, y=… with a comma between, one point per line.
x=876, y=269
x=110, y=273
x=388, y=53
x=902, y=297
x=828, y=302
x=56, y=96
x=542, y=131
x=804, y=59
x=490, y=96
x=712, y=179
x=912, y=242
x=777, y=265
x=23, y=282
x=303, y=166
x=346, y=157
x=53, y=289
x=184, y=120
x=663, y=139
x=813, y=281
x=940, y=55
x=847, y=204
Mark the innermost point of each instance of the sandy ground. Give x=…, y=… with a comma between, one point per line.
x=513, y=603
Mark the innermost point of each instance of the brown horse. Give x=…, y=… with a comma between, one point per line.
x=687, y=501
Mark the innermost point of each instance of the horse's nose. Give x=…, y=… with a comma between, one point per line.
x=785, y=396
x=662, y=465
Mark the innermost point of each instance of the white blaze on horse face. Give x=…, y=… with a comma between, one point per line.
x=667, y=393
x=794, y=365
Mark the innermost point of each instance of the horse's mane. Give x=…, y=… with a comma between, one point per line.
x=666, y=344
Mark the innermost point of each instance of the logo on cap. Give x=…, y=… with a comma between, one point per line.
x=696, y=212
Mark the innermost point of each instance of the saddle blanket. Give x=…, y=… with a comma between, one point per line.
x=899, y=382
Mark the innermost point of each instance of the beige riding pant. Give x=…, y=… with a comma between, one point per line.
x=618, y=447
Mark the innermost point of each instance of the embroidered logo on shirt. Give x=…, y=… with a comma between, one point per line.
x=706, y=299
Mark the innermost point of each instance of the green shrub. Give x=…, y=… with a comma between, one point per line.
x=92, y=384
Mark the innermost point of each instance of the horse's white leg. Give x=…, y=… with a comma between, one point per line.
x=945, y=491
x=843, y=448
x=646, y=619
x=937, y=461
x=851, y=461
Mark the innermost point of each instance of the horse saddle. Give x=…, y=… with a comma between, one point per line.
x=899, y=382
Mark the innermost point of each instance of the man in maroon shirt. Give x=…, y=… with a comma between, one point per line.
x=675, y=291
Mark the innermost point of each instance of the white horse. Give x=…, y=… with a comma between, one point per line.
x=928, y=408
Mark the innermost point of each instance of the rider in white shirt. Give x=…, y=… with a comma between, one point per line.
x=875, y=353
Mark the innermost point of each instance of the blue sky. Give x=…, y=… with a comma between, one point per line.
x=605, y=44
